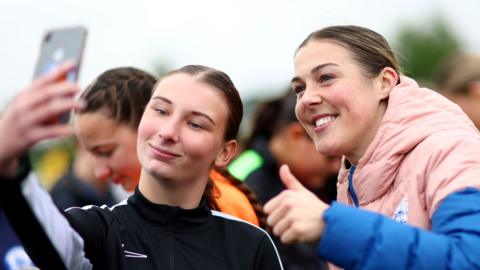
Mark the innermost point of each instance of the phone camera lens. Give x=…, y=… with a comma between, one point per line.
x=48, y=37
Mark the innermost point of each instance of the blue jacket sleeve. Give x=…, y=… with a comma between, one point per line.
x=359, y=239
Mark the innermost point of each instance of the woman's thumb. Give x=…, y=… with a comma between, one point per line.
x=289, y=180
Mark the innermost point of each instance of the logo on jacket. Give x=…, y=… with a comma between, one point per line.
x=401, y=213
x=131, y=254
x=17, y=258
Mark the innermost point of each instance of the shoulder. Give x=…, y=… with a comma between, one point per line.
x=238, y=227
x=92, y=214
x=248, y=241
x=450, y=147
x=451, y=163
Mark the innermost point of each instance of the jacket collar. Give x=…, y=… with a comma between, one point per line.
x=174, y=217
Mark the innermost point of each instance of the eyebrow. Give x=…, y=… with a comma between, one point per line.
x=204, y=115
x=197, y=113
x=314, y=70
x=162, y=98
x=100, y=147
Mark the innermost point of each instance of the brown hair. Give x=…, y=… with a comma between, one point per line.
x=272, y=115
x=120, y=93
x=222, y=82
x=368, y=48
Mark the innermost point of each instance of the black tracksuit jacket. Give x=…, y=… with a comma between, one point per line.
x=135, y=234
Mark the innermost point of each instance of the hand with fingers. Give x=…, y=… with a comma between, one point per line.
x=296, y=214
x=28, y=118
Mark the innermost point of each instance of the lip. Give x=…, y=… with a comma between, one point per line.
x=162, y=154
x=323, y=127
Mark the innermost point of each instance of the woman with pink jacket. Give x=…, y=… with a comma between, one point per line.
x=409, y=186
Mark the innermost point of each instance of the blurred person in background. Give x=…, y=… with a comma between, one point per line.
x=278, y=138
x=79, y=186
x=458, y=78
x=408, y=192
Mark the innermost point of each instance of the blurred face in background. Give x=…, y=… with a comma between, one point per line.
x=113, y=147
x=312, y=168
x=470, y=102
x=458, y=79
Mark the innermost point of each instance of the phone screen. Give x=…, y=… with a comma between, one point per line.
x=59, y=45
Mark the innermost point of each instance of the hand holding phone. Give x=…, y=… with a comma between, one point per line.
x=58, y=46
x=27, y=118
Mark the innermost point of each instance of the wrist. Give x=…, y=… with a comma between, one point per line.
x=8, y=168
x=15, y=168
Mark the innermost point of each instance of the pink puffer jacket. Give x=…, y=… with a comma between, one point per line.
x=423, y=151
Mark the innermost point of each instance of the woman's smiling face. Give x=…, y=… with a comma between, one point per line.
x=181, y=133
x=338, y=105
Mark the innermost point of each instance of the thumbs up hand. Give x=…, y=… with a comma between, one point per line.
x=289, y=180
x=296, y=214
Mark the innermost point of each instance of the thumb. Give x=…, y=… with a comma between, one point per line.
x=289, y=180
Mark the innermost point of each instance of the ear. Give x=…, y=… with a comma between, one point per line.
x=388, y=79
x=228, y=151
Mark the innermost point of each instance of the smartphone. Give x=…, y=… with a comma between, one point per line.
x=57, y=46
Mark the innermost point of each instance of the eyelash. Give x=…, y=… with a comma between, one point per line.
x=195, y=125
x=325, y=78
x=161, y=111
x=298, y=89
x=322, y=79
x=105, y=154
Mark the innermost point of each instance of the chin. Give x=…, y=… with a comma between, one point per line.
x=328, y=149
x=159, y=173
x=153, y=166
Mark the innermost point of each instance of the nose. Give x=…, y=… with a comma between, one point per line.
x=169, y=130
x=310, y=97
x=102, y=170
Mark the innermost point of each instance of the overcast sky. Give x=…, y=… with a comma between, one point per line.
x=253, y=41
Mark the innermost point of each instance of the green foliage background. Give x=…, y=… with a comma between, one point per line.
x=421, y=48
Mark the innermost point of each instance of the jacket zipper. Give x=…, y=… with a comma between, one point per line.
x=350, y=186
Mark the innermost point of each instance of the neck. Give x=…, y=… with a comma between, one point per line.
x=362, y=148
x=185, y=194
